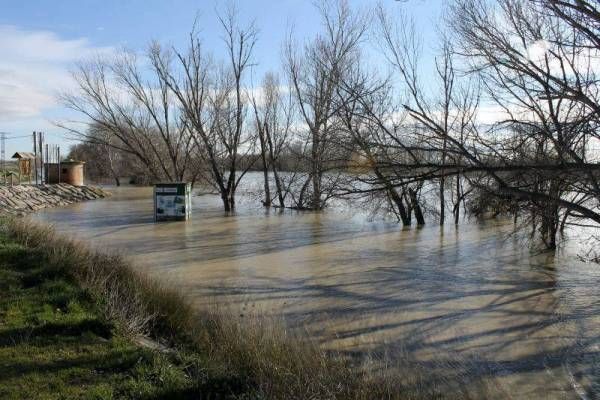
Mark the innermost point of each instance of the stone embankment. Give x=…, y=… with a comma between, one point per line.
x=24, y=199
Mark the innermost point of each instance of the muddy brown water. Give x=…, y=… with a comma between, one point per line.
x=527, y=321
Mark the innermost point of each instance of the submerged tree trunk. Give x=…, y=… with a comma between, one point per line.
x=113, y=172
x=315, y=172
x=228, y=203
x=458, y=200
x=267, y=200
x=442, y=201
x=278, y=187
x=416, y=207
x=404, y=216
x=265, y=164
x=551, y=218
x=273, y=165
x=549, y=227
x=394, y=197
x=225, y=200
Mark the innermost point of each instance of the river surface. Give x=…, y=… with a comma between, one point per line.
x=527, y=321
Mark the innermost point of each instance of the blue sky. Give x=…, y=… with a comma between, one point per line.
x=40, y=41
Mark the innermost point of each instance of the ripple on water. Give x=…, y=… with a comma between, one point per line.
x=529, y=321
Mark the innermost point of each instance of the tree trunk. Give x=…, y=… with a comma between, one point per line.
x=111, y=166
x=278, y=187
x=458, y=198
x=263, y=156
x=416, y=207
x=300, y=202
x=267, y=200
x=316, y=197
x=442, y=201
x=400, y=205
x=225, y=200
x=395, y=197
x=228, y=201
x=315, y=172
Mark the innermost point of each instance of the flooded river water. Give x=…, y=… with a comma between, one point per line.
x=529, y=321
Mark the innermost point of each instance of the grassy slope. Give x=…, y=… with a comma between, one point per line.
x=55, y=342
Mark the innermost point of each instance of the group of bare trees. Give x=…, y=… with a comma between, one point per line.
x=180, y=114
x=535, y=63
x=538, y=63
x=503, y=119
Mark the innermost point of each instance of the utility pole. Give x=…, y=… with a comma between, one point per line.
x=3, y=148
x=41, y=148
x=35, y=164
x=47, y=170
x=3, y=153
x=58, y=162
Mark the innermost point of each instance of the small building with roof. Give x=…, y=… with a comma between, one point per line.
x=25, y=161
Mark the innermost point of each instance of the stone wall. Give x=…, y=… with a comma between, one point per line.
x=23, y=199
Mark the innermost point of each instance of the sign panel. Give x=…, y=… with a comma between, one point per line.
x=172, y=201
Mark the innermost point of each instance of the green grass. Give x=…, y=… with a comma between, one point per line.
x=55, y=342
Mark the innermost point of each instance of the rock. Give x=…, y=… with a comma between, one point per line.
x=21, y=199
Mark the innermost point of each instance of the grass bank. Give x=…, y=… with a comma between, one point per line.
x=72, y=317
x=56, y=342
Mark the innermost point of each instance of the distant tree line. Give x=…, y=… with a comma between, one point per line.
x=507, y=122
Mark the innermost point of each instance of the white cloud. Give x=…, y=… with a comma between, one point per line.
x=34, y=68
x=537, y=50
x=489, y=114
x=258, y=93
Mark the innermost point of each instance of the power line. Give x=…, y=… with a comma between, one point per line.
x=9, y=135
x=17, y=137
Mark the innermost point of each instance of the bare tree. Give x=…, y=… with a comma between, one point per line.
x=314, y=74
x=138, y=116
x=437, y=117
x=538, y=67
x=214, y=104
x=273, y=118
x=183, y=116
x=366, y=111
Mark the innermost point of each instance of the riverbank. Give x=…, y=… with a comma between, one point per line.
x=24, y=199
x=83, y=298
x=56, y=342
